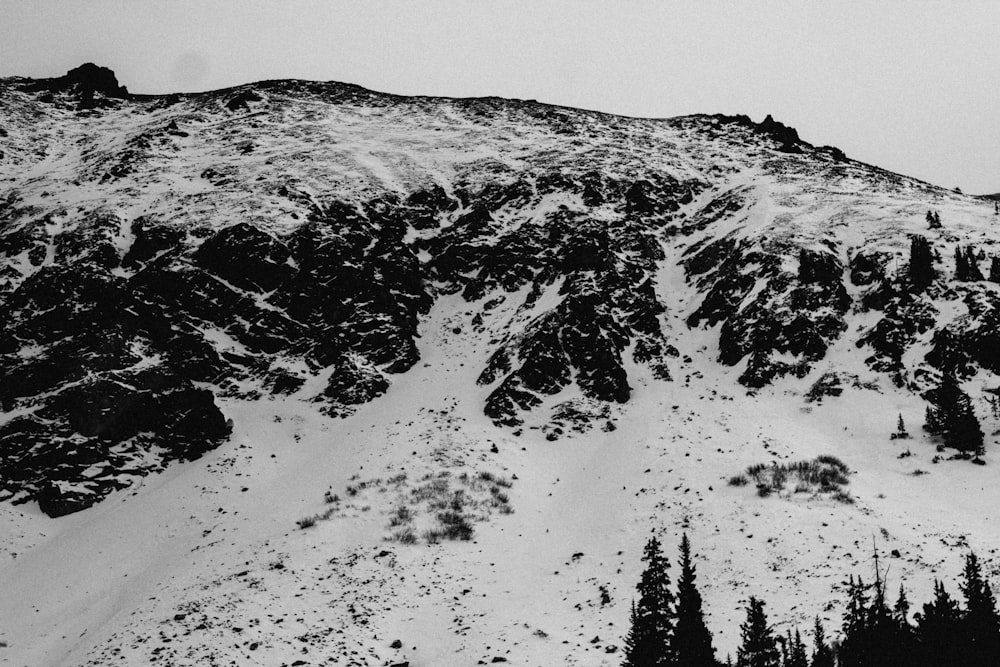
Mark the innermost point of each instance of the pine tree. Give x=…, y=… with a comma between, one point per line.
x=692, y=642
x=972, y=265
x=903, y=629
x=758, y=647
x=854, y=647
x=981, y=623
x=797, y=656
x=882, y=633
x=937, y=629
x=961, y=265
x=921, y=268
x=902, y=608
x=651, y=625
x=822, y=653
x=637, y=641
x=901, y=433
x=951, y=415
x=995, y=270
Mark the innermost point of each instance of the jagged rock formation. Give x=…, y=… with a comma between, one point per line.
x=160, y=253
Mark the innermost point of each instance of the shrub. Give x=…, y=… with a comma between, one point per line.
x=330, y=497
x=306, y=522
x=826, y=459
x=495, y=479
x=431, y=490
x=455, y=525
x=458, y=501
x=842, y=496
x=404, y=536
x=402, y=515
x=827, y=474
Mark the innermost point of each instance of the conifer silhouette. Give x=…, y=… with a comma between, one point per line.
x=937, y=629
x=981, y=636
x=692, y=642
x=920, y=271
x=651, y=625
x=951, y=415
x=822, y=653
x=758, y=647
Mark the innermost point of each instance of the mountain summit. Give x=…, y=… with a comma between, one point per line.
x=301, y=285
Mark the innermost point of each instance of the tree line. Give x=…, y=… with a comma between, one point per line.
x=668, y=629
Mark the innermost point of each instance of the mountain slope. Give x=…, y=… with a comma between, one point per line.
x=308, y=286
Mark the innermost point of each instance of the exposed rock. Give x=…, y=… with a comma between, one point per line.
x=786, y=136
x=242, y=100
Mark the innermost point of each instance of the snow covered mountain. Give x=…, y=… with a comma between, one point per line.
x=227, y=315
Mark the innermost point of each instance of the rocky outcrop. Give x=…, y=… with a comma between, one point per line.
x=89, y=85
x=599, y=277
x=100, y=349
x=779, y=322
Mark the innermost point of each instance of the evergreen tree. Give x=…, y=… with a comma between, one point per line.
x=883, y=641
x=902, y=608
x=797, y=656
x=651, y=624
x=904, y=644
x=972, y=265
x=822, y=653
x=901, y=433
x=758, y=647
x=870, y=630
x=937, y=629
x=921, y=268
x=981, y=636
x=961, y=265
x=951, y=415
x=692, y=642
x=995, y=270
x=853, y=649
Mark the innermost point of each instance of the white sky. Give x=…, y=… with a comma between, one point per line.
x=911, y=86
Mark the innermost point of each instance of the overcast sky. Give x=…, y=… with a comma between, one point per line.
x=911, y=86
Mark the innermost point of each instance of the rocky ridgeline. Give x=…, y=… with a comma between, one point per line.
x=290, y=267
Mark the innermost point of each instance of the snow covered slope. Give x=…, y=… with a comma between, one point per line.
x=551, y=331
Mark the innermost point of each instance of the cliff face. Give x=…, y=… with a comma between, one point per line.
x=286, y=238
